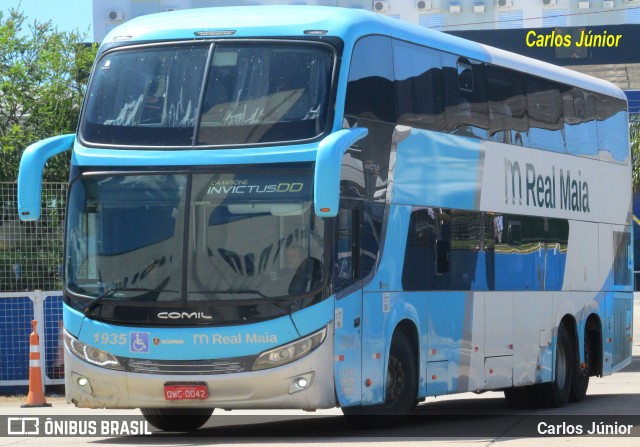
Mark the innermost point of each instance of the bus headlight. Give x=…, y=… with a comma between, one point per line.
x=290, y=352
x=90, y=354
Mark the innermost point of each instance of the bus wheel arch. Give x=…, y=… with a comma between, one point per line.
x=403, y=356
x=410, y=331
x=401, y=382
x=593, y=335
x=556, y=393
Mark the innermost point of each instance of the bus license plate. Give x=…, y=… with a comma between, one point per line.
x=185, y=391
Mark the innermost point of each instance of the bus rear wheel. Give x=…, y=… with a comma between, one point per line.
x=580, y=379
x=556, y=393
x=401, y=389
x=177, y=419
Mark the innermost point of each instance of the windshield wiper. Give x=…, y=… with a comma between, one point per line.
x=273, y=301
x=112, y=290
x=255, y=292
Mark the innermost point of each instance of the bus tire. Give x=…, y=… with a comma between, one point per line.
x=555, y=394
x=400, y=393
x=580, y=378
x=177, y=419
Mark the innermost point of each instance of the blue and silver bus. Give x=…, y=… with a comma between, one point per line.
x=308, y=207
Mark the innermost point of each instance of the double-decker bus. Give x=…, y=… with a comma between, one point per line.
x=307, y=207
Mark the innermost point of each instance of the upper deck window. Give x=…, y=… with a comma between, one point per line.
x=255, y=93
x=265, y=93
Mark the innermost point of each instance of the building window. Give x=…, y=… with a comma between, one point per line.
x=510, y=20
x=554, y=17
x=632, y=15
x=433, y=21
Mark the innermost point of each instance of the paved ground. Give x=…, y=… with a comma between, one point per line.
x=465, y=419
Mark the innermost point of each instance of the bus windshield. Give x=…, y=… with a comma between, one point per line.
x=181, y=240
x=254, y=93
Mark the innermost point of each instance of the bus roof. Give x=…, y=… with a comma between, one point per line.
x=348, y=24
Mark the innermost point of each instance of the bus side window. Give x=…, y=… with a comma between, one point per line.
x=442, y=277
x=544, y=106
x=514, y=233
x=466, y=106
x=370, y=103
x=507, y=107
x=622, y=261
x=370, y=89
x=420, y=237
x=465, y=76
x=443, y=250
x=347, y=258
x=418, y=74
x=343, y=275
x=370, y=236
x=579, y=111
x=359, y=229
x=612, y=122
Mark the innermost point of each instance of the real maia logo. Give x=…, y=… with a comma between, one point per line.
x=554, y=189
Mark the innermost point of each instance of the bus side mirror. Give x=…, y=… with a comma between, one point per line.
x=326, y=185
x=30, y=173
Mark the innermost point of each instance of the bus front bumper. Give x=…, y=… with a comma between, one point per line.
x=274, y=388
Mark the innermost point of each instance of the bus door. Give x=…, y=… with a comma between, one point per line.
x=348, y=312
x=358, y=239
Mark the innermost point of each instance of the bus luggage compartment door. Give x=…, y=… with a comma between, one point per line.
x=623, y=329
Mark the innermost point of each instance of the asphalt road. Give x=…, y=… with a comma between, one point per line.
x=466, y=419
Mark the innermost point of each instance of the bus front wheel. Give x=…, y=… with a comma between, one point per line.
x=177, y=419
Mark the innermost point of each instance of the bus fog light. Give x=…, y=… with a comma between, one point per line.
x=82, y=382
x=300, y=383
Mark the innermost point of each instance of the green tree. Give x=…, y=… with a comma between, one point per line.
x=43, y=76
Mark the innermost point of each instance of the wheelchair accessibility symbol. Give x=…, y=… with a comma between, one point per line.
x=139, y=342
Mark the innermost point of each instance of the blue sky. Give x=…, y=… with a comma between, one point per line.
x=67, y=15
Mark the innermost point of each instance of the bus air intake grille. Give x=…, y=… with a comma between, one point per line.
x=188, y=367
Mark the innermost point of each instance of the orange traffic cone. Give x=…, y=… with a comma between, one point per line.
x=35, y=398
